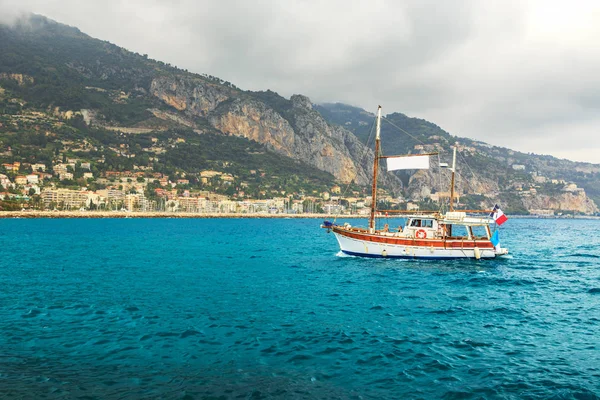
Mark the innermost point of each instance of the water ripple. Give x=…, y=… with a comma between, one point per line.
x=205, y=309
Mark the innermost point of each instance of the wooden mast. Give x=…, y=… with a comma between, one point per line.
x=452, y=181
x=375, y=168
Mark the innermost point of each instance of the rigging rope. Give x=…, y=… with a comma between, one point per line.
x=362, y=159
x=366, y=151
x=397, y=127
x=465, y=162
x=420, y=141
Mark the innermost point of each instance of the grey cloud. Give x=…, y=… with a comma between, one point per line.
x=514, y=73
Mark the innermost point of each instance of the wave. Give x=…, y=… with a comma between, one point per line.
x=582, y=255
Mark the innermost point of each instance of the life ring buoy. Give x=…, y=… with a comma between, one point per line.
x=421, y=234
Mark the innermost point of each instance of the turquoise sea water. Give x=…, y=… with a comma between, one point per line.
x=267, y=309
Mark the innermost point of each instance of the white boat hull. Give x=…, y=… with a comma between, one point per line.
x=363, y=248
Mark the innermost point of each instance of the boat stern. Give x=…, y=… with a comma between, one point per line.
x=501, y=251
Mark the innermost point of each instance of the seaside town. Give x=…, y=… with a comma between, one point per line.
x=40, y=187
x=67, y=186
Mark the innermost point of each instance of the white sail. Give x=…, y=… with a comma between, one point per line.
x=407, y=162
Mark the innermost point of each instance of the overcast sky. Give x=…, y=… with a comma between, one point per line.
x=521, y=74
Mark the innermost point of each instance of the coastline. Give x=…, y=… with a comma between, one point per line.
x=155, y=214
x=159, y=214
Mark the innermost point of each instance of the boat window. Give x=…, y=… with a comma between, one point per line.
x=427, y=223
x=459, y=231
x=479, y=232
x=416, y=223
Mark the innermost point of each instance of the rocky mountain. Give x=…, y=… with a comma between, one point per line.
x=66, y=95
x=486, y=173
x=288, y=127
x=116, y=90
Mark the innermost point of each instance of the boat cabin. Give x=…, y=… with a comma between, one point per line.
x=423, y=228
x=455, y=225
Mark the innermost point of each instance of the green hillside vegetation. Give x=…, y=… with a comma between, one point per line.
x=278, y=103
x=192, y=154
x=72, y=71
x=246, y=160
x=355, y=119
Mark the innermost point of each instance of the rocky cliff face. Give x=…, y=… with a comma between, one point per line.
x=423, y=182
x=566, y=201
x=301, y=134
x=255, y=121
x=329, y=148
x=306, y=137
x=193, y=96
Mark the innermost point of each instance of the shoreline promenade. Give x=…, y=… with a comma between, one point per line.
x=155, y=214
x=165, y=214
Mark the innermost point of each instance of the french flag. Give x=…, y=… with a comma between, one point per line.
x=498, y=215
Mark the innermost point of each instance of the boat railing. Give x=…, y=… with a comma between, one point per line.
x=420, y=212
x=409, y=212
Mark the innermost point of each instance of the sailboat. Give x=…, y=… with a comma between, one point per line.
x=426, y=234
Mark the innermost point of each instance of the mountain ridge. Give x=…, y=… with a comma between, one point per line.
x=95, y=86
x=486, y=159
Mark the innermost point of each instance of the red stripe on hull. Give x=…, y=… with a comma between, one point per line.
x=428, y=243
